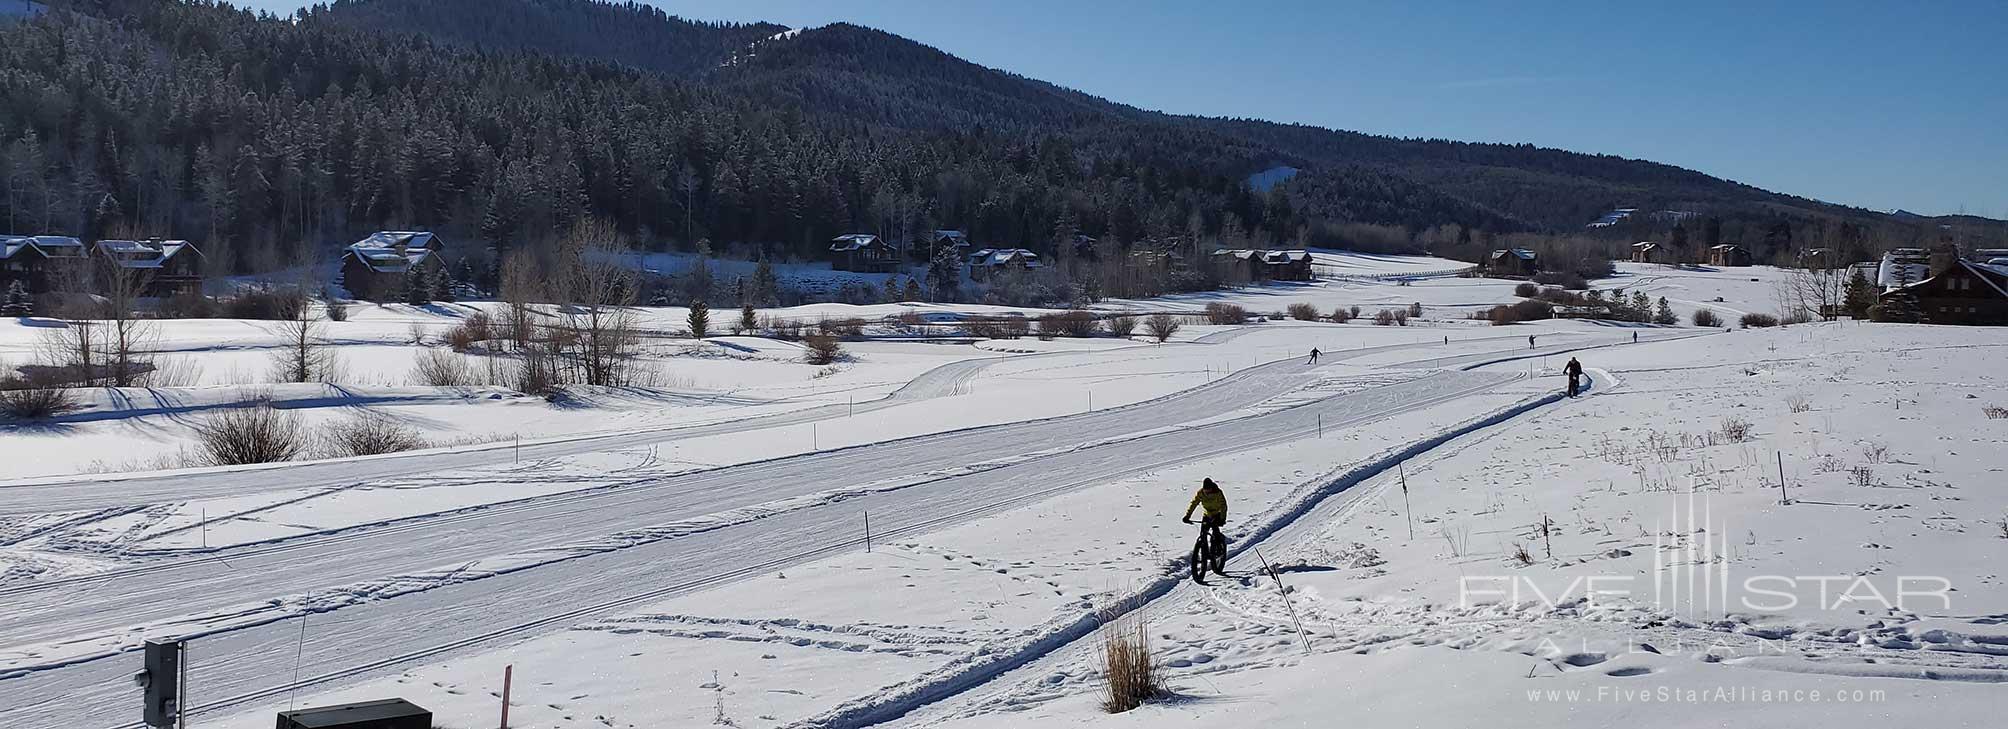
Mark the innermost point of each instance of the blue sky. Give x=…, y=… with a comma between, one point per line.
x=1870, y=104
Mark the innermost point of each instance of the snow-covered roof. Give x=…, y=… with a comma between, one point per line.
x=396, y=238
x=1726, y=247
x=51, y=246
x=1002, y=256
x=1645, y=245
x=954, y=235
x=1521, y=253
x=852, y=242
x=1902, y=267
x=394, y=251
x=1287, y=256
x=142, y=253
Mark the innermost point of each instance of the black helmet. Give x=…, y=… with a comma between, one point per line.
x=1208, y=483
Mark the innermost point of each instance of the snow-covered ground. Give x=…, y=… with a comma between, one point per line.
x=1450, y=533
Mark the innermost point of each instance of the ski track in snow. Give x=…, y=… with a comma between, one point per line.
x=184, y=585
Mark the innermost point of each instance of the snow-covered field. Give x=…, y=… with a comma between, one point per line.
x=933, y=533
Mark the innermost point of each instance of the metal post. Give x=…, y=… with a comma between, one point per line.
x=181, y=689
x=519, y=447
x=1782, y=498
x=1321, y=425
x=815, y=438
x=508, y=675
x=868, y=531
x=205, y=527
x=1406, y=506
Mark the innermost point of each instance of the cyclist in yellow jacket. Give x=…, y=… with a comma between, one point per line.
x=1215, y=502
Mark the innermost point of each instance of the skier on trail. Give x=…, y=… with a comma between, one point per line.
x=1215, y=503
x=1530, y=341
x=1314, y=356
x=1574, y=370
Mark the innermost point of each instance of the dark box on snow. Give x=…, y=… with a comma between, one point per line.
x=384, y=714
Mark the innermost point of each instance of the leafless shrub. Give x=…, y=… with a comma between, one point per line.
x=1995, y=412
x=1798, y=403
x=254, y=434
x=823, y=349
x=1706, y=318
x=1415, y=310
x=538, y=373
x=1070, y=323
x=1401, y=317
x=1758, y=321
x=1122, y=326
x=845, y=328
x=1222, y=313
x=36, y=403
x=1875, y=452
x=1521, y=556
x=1161, y=326
x=442, y=368
x=784, y=329
x=1341, y=316
x=338, y=310
x=1304, y=312
x=1735, y=430
x=1458, y=536
x=475, y=328
x=368, y=434
x=2004, y=527
x=1383, y=318
x=1130, y=671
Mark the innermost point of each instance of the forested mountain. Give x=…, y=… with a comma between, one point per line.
x=501, y=122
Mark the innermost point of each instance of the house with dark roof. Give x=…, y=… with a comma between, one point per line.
x=165, y=267
x=862, y=252
x=940, y=240
x=1968, y=293
x=1728, y=254
x=39, y=262
x=1646, y=251
x=989, y=261
x=1287, y=265
x=1512, y=263
x=376, y=268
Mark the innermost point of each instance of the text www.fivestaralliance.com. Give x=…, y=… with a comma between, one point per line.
x=1715, y=695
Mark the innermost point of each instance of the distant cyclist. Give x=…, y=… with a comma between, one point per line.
x=1574, y=370
x=1215, y=503
x=1314, y=356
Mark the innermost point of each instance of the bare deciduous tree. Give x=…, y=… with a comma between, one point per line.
x=305, y=355
x=597, y=293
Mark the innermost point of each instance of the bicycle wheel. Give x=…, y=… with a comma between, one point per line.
x=1199, y=560
x=1219, y=555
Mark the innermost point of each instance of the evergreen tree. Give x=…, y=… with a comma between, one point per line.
x=416, y=293
x=891, y=292
x=748, y=321
x=1860, y=295
x=1641, y=306
x=439, y=285
x=912, y=291
x=697, y=283
x=1899, y=306
x=18, y=302
x=944, y=274
x=766, y=286
x=699, y=319
x=1665, y=315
